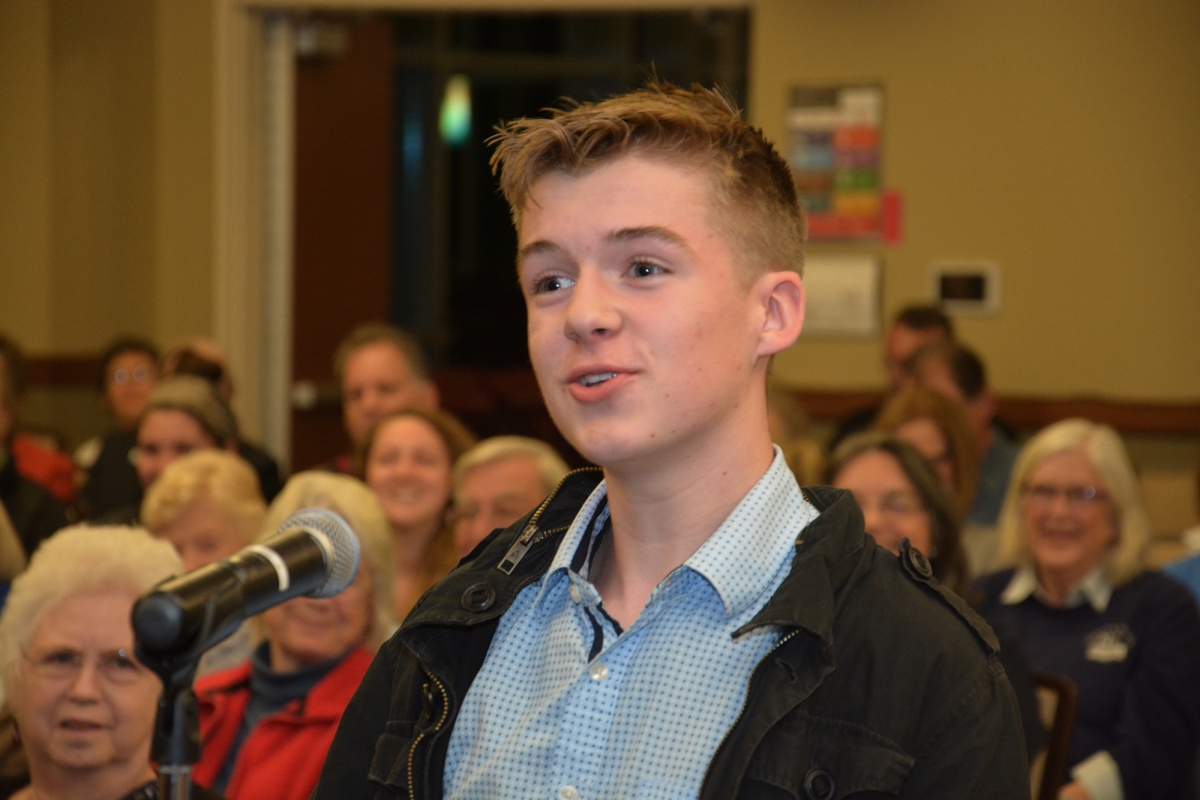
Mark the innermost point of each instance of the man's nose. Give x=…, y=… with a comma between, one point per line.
x=591, y=310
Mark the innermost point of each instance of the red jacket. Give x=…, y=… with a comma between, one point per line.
x=282, y=757
x=49, y=468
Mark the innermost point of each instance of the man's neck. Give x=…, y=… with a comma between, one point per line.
x=661, y=516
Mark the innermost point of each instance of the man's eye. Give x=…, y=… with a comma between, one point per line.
x=644, y=269
x=552, y=283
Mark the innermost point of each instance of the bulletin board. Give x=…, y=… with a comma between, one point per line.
x=834, y=150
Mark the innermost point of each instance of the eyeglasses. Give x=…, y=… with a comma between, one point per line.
x=117, y=666
x=894, y=504
x=123, y=377
x=1079, y=498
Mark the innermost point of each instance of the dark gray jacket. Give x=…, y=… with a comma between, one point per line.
x=883, y=683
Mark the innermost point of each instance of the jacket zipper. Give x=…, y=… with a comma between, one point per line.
x=412, y=751
x=782, y=641
x=532, y=534
x=746, y=698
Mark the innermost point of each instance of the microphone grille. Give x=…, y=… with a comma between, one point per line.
x=342, y=551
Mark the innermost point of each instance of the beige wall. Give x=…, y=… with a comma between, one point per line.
x=105, y=172
x=1058, y=139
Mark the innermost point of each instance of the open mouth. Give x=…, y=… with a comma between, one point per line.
x=79, y=725
x=597, y=379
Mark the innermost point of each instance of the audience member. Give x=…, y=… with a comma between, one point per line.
x=205, y=359
x=36, y=458
x=789, y=426
x=1083, y=605
x=12, y=554
x=267, y=724
x=127, y=375
x=956, y=372
x=407, y=460
x=182, y=414
x=903, y=499
x=82, y=707
x=380, y=369
x=208, y=506
x=939, y=430
x=913, y=327
x=33, y=510
x=497, y=482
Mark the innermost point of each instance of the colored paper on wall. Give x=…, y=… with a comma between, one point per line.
x=834, y=151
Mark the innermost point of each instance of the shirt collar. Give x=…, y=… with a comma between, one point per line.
x=1094, y=590
x=761, y=530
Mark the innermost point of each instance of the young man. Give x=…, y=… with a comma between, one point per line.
x=683, y=622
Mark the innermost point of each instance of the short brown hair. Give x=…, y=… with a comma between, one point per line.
x=380, y=332
x=754, y=197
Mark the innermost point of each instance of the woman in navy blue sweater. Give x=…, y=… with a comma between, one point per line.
x=1083, y=605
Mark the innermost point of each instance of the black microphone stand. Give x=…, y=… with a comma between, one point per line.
x=176, y=745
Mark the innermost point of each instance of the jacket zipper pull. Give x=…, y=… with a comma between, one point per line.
x=518, y=550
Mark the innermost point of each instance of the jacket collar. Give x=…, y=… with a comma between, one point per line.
x=826, y=554
x=478, y=591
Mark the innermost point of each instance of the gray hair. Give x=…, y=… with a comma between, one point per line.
x=1102, y=447
x=550, y=465
x=79, y=560
x=353, y=501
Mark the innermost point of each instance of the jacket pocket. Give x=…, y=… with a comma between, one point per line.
x=389, y=765
x=811, y=758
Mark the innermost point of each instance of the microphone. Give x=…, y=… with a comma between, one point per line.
x=314, y=553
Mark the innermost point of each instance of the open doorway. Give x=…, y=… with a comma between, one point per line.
x=397, y=213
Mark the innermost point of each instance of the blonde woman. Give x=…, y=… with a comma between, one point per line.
x=1081, y=602
x=265, y=725
x=207, y=504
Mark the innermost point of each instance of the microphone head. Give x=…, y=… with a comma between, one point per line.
x=341, y=546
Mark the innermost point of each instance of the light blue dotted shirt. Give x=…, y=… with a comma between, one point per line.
x=567, y=706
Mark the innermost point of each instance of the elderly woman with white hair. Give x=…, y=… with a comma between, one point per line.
x=1082, y=603
x=266, y=725
x=82, y=706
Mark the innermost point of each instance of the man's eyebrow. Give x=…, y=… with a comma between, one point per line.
x=649, y=232
x=536, y=248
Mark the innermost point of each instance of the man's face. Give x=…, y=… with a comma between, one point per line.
x=377, y=381
x=902, y=343
x=130, y=378
x=164, y=435
x=643, y=336
x=493, y=495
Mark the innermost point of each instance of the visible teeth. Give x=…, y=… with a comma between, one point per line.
x=593, y=380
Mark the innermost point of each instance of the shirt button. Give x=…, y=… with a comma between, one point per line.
x=568, y=792
x=576, y=597
x=598, y=671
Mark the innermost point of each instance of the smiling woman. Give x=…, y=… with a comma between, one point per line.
x=82, y=706
x=407, y=461
x=265, y=725
x=1083, y=605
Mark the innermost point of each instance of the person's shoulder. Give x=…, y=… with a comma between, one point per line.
x=990, y=585
x=224, y=680
x=1155, y=591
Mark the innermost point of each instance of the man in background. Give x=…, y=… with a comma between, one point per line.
x=37, y=458
x=912, y=328
x=380, y=369
x=956, y=372
x=497, y=482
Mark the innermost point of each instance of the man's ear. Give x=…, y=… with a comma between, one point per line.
x=782, y=297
